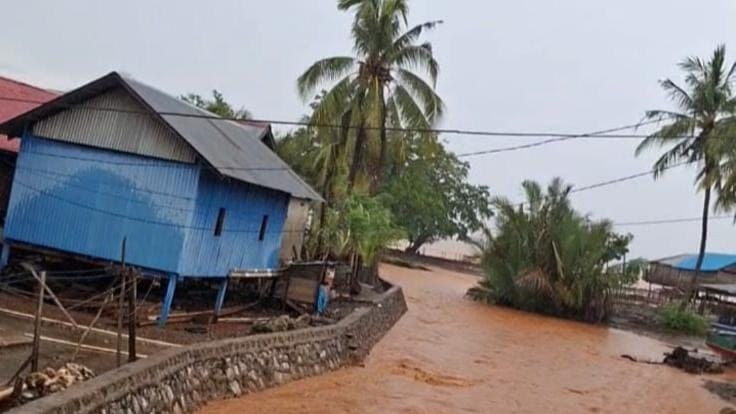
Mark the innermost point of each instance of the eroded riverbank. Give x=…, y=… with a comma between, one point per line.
x=449, y=355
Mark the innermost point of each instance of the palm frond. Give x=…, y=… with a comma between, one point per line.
x=323, y=71
x=331, y=106
x=409, y=37
x=418, y=57
x=411, y=113
x=678, y=94
x=431, y=103
x=680, y=129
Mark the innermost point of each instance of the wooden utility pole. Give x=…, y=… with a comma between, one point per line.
x=132, y=314
x=37, y=325
x=120, y=305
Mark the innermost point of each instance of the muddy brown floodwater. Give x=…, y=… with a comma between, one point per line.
x=451, y=355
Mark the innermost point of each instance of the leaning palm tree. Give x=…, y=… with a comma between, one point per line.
x=378, y=88
x=698, y=131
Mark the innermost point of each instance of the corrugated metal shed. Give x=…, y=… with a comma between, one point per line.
x=233, y=149
x=712, y=262
x=131, y=129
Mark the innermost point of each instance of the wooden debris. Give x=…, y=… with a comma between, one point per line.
x=49, y=380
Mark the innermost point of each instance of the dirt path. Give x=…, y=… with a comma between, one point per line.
x=450, y=355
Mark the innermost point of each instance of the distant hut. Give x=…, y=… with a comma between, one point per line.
x=193, y=195
x=677, y=271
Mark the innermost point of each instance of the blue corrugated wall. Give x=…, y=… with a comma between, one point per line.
x=238, y=246
x=85, y=200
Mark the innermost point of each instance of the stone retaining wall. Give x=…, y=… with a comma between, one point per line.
x=180, y=380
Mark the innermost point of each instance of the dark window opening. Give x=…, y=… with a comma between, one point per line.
x=262, y=231
x=220, y=222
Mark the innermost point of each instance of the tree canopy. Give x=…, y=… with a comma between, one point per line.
x=217, y=105
x=377, y=88
x=432, y=199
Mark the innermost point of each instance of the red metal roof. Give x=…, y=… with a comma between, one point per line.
x=13, y=89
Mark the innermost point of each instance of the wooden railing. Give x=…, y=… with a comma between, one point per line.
x=632, y=296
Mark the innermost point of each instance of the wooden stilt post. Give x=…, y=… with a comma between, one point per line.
x=121, y=301
x=37, y=324
x=132, y=317
x=168, y=299
x=221, y=290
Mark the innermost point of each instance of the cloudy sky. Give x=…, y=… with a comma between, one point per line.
x=524, y=65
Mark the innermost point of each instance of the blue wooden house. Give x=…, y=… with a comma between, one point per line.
x=193, y=195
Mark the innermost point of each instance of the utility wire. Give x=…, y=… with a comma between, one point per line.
x=554, y=137
x=622, y=179
x=605, y=134
x=600, y=133
x=670, y=221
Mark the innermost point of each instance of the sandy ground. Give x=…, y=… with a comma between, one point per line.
x=450, y=355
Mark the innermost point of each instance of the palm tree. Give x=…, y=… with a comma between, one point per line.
x=698, y=132
x=547, y=257
x=378, y=88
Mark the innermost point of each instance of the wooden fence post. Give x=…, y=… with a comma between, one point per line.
x=37, y=324
x=132, y=315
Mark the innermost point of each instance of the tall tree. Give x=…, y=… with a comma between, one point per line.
x=698, y=131
x=217, y=105
x=377, y=88
x=431, y=199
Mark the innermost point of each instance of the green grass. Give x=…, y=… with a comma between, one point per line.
x=673, y=317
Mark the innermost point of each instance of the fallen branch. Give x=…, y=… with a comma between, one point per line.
x=641, y=361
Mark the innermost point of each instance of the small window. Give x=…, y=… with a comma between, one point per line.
x=262, y=231
x=220, y=222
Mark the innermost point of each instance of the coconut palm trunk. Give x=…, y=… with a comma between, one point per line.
x=692, y=288
x=357, y=157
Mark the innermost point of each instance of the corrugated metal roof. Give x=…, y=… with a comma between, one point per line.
x=124, y=130
x=10, y=88
x=712, y=262
x=233, y=149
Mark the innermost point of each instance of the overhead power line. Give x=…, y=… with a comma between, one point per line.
x=605, y=134
x=671, y=221
x=622, y=179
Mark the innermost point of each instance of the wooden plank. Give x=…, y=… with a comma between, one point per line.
x=95, y=330
x=87, y=347
x=302, y=290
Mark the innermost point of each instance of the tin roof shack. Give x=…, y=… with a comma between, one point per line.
x=193, y=195
x=677, y=271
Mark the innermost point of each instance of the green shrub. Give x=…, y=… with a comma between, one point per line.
x=547, y=257
x=674, y=317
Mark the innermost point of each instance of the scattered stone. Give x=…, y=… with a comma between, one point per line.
x=235, y=388
x=281, y=324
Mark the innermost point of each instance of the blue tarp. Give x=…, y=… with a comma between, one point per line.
x=712, y=262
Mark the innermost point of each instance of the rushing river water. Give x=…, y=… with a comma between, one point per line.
x=450, y=355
